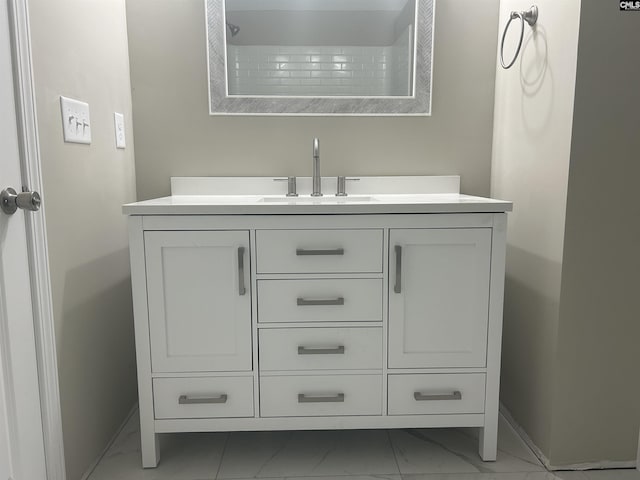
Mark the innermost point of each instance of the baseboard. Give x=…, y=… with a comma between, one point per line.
x=93, y=466
x=638, y=461
x=605, y=464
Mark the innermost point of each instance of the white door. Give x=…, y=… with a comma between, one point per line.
x=439, y=297
x=21, y=435
x=199, y=300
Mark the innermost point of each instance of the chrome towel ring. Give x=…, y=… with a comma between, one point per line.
x=531, y=17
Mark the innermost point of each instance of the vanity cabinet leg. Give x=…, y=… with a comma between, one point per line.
x=150, y=448
x=488, y=440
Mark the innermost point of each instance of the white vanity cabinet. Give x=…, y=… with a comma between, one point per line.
x=256, y=320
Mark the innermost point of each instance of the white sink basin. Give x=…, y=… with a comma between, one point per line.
x=323, y=200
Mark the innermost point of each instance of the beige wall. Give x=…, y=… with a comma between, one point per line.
x=175, y=135
x=532, y=140
x=80, y=51
x=566, y=152
x=597, y=401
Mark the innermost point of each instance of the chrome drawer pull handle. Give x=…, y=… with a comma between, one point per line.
x=195, y=400
x=420, y=397
x=339, y=350
x=332, y=251
x=241, y=288
x=303, y=302
x=397, y=288
x=335, y=398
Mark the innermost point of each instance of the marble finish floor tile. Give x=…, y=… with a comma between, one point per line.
x=417, y=453
x=451, y=450
x=308, y=454
x=421, y=454
x=185, y=456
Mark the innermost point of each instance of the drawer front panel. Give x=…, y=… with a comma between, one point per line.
x=203, y=397
x=320, y=348
x=436, y=393
x=320, y=395
x=319, y=251
x=320, y=300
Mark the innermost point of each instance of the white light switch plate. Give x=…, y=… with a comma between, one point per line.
x=76, y=122
x=119, y=124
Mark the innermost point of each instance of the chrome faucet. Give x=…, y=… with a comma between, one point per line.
x=317, y=179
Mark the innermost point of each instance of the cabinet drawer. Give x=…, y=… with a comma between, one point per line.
x=319, y=251
x=320, y=300
x=320, y=348
x=436, y=393
x=203, y=397
x=320, y=395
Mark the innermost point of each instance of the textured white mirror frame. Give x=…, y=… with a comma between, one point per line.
x=222, y=104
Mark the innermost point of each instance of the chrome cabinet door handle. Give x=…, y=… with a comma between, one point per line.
x=241, y=288
x=332, y=398
x=197, y=400
x=421, y=397
x=303, y=302
x=339, y=350
x=397, y=288
x=331, y=251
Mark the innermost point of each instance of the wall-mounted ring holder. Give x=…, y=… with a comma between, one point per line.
x=531, y=17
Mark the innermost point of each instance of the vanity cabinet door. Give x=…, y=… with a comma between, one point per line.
x=438, y=297
x=199, y=300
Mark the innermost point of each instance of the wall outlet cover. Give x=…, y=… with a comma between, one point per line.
x=76, y=121
x=119, y=125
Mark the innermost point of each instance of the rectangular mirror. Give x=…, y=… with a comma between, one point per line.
x=320, y=57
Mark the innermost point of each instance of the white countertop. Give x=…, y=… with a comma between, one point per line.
x=264, y=196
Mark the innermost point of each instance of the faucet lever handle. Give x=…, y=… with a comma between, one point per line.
x=341, y=190
x=291, y=185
